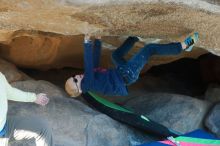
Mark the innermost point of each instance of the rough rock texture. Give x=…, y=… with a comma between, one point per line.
x=42, y=51
x=213, y=120
x=46, y=52
x=50, y=31
x=182, y=113
x=73, y=123
x=11, y=72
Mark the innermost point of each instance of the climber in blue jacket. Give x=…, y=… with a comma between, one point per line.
x=114, y=81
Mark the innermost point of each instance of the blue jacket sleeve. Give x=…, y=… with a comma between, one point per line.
x=88, y=62
x=97, y=53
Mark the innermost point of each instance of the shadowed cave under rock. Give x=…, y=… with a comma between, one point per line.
x=186, y=76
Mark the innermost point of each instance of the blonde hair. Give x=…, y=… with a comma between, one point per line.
x=71, y=88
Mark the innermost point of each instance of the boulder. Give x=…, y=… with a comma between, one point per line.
x=178, y=112
x=50, y=32
x=11, y=72
x=213, y=121
x=72, y=122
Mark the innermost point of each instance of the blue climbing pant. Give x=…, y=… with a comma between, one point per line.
x=130, y=69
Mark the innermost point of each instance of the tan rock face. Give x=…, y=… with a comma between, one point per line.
x=44, y=51
x=49, y=34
